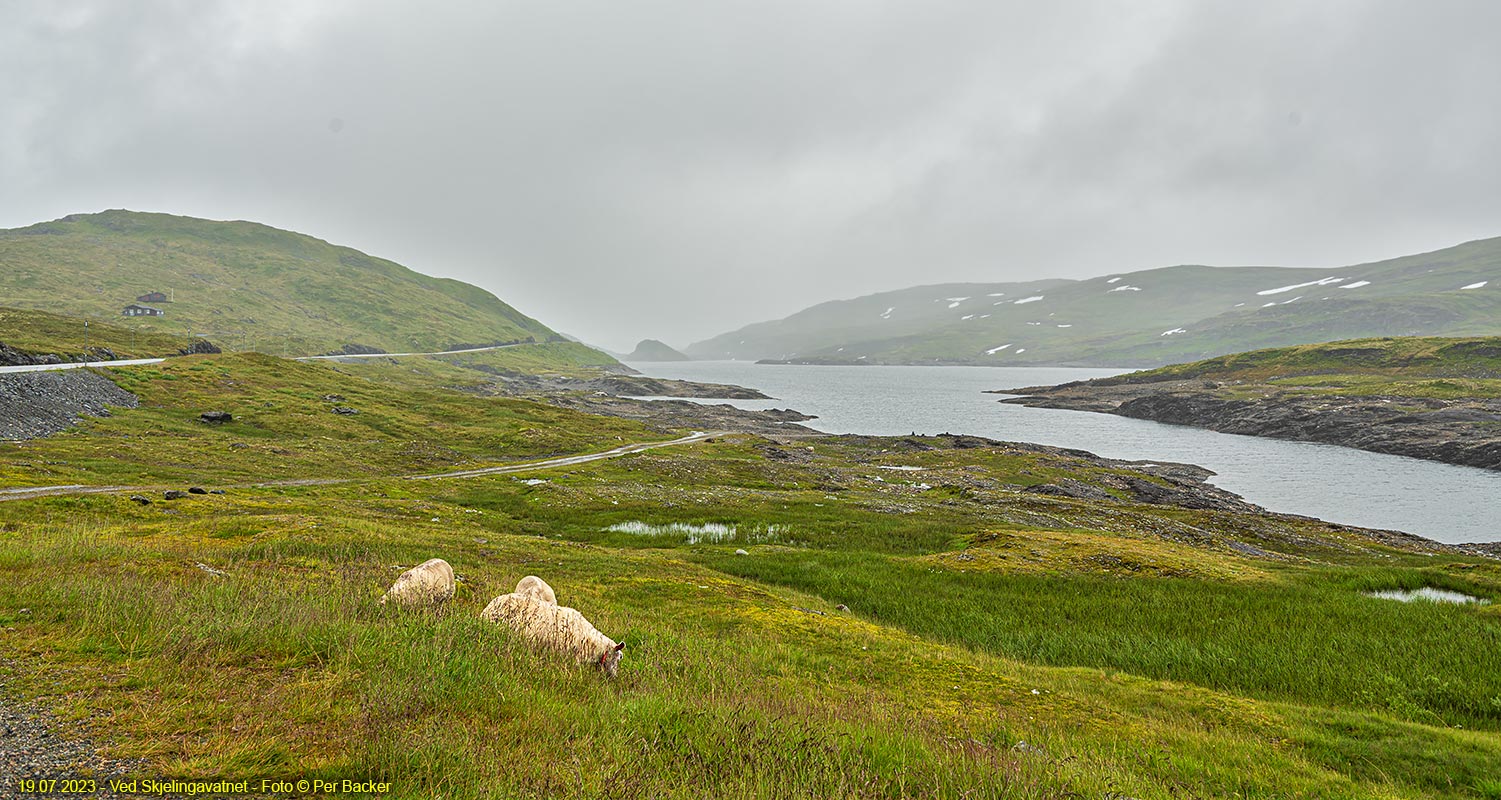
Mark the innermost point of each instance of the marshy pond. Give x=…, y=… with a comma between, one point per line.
x=1429, y=594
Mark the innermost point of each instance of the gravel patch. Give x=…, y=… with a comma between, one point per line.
x=35, y=744
x=34, y=404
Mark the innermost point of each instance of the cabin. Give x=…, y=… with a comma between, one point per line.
x=153, y=297
x=134, y=310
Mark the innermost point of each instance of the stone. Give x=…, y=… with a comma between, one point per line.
x=344, y=410
x=197, y=490
x=173, y=494
x=216, y=417
x=145, y=501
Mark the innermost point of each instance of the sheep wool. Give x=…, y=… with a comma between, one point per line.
x=533, y=586
x=557, y=628
x=428, y=583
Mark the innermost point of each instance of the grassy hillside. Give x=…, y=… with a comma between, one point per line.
x=245, y=286
x=997, y=642
x=41, y=332
x=1441, y=368
x=1145, y=318
x=285, y=427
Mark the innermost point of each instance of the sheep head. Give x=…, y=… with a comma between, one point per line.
x=610, y=660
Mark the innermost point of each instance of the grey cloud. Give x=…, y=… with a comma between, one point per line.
x=674, y=169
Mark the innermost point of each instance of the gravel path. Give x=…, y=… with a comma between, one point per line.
x=34, y=743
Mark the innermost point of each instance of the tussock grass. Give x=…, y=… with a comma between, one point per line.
x=1298, y=639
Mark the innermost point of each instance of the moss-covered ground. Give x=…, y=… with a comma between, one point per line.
x=1415, y=367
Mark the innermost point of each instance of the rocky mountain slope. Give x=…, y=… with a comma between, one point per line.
x=1138, y=319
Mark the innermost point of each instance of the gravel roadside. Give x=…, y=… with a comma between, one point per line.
x=36, y=744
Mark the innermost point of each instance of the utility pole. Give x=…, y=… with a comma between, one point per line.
x=85, y=343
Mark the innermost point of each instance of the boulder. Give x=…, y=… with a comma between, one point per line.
x=215, y=417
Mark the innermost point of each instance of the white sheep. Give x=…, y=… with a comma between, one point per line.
x=428, y=583
x=556, y=627
x=533, y=586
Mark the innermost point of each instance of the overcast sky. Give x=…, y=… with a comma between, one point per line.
x=677, y=168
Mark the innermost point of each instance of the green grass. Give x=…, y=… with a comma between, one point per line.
x=1293, y=639
x=246, y=286
x=285, y=428
x=1132, y=649
x=42, y=332
x=474, y=372
x=1412, y=367
x=287, y=666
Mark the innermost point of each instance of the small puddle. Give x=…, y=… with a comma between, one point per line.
x=1430, y=594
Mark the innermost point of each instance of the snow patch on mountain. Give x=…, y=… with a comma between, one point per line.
x=1281, y=289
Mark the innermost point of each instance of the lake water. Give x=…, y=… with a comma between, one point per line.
x=1440, y=501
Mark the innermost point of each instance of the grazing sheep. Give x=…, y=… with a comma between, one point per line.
x=533, y=586
x=556, y=627
x=428, y=583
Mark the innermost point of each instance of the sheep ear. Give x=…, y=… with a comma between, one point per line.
x=619, y=647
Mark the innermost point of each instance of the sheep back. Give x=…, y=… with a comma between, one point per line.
x=534, y=586
x=428, y=583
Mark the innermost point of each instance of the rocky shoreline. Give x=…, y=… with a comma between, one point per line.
x=1465, y=432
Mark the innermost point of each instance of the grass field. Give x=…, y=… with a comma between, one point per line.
x=997, y=643
x=285, y=427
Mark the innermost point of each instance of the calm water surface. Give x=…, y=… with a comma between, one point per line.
x=1439, y=501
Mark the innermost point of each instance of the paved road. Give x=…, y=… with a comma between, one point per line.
x=138, y=361
x=29, y=492
x=77, y=364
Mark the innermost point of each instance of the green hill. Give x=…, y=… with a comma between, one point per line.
x=245, y=286
x=1144, y=319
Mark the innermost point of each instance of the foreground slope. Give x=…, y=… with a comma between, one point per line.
x=1144, y=318
x=246, y=286
x=1431, y=398
x=911, y=617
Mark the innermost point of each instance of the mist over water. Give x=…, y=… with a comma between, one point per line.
x=1440, y=501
